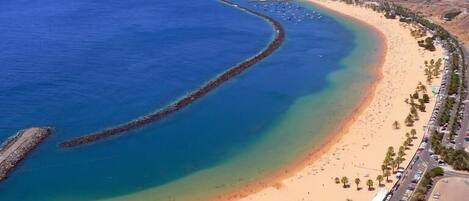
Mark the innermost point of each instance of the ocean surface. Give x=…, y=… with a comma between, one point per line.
x=81, y=66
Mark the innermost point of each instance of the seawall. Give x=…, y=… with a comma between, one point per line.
x=193, y=96
x=18, y=147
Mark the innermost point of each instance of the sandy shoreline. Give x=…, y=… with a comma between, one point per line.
x=358, y=146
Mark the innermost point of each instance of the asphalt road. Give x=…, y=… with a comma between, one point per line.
x=460, y=141
x=421, y=162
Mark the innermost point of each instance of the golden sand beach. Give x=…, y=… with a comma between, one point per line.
x=358, y=149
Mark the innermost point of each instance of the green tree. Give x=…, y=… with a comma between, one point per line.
x=426, y=98
x=357, y=182
x=344, y=181
x=413, y=110
x=409, y=141
x=437, y=171
x=337, y=180
x=414, y=113
x=422, y=107
x=396, y=125
x=394, y=164
x=391, y=151
x=421, y=87
x=401, y=151
x=387, y=174
x=409, y=121
x=379, y=178
x=387, y=159
x=415, y=95
x=413, y=132
x=383, y=167
x=399, y=160
x=369, y=183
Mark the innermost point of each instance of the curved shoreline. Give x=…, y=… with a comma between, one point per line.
x=330, y=139
x=193, y=96
x=357, y=146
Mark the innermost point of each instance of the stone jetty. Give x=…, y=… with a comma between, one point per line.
x=195, y=95
x=17, y=147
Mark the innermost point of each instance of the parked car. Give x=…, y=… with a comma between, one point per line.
x=412, y=186
x=400, y=170
x=398, y=175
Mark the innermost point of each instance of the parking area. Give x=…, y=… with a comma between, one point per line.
x=450, y=189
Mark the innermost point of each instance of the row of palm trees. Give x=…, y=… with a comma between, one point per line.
x=344, y=180
x=393, y=160
x=415, y=107
x=417, y=31
x=432, y=69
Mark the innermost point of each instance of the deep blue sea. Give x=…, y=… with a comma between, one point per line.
x=81, y=66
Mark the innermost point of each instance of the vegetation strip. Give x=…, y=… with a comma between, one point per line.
x=193, y=96
x=426, y=182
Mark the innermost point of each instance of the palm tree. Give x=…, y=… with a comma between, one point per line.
x=395, y=125
x=415, y=115
x=426, y=98
x=369, y=183
x=409, y=121
x=399, y=160
x=383, y=167
x=413, y=132
x=407, y=135
x=408, y=141
x=357, y=181
x=387, y=174
x=337, y=180
x=380, y=179
x=422, y=107
x=423, y=88
x=413, y=110
x=344, y=180
x=394, y=164
x=391, y=151
x=418, y=86
x=415, y=95
x=429, y=77
x=387, y=160
x=406, y=144
x=401, y=151
x=427, y=71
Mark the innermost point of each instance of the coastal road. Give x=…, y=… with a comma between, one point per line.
x=460, y=141
x=421, y=162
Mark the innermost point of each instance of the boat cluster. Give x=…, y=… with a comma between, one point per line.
x=289, y=11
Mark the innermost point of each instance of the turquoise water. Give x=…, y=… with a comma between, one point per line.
x=83, y=66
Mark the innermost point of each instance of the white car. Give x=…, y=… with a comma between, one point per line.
x=400, y=170
x=398, y=175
